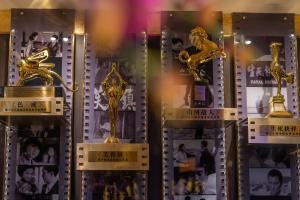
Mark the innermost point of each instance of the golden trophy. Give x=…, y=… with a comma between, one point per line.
x=276, y=103
x=208, y=50
x=114, y=92
x=34, y=67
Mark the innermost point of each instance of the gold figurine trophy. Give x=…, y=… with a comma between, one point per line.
x=208, y=50
x=277, y=108
x=114, y=92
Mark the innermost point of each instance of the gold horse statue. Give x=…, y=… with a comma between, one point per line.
x=208, y=51
x=276, y=69
x=33, y=67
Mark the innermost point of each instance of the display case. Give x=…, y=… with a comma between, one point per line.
x=194, y=120
x=115, y=166
x=37, y=112
x=266, y=46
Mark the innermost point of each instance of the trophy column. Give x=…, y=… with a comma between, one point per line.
x=193, y=115
x=114, y=148
x=37, y=111
x=267, y=102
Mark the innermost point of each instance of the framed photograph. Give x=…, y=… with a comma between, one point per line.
x=270, y=182
x=125, y=125
x=194, y=167
x=113, y=185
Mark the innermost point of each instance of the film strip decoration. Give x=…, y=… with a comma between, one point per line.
x=40, y=36
x=249, y=29
x=91, y=62
x=167, y=132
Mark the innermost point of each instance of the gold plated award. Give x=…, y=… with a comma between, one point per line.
x=114, y=92
x=34, y=67
x=208, y=50
x=277, y=108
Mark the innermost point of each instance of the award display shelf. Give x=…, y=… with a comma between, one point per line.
x=194, y=120
x=268, y=122
x=115, y=151
x=40, y=118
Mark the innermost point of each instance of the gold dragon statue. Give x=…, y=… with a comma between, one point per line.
x=277, y=108
x=208, y=51
x=114, y=92
x=34, y=67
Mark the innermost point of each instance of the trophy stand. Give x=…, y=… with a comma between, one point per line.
x=112, y=155
x=279, y=123
x=277, y=108
x=203, y=116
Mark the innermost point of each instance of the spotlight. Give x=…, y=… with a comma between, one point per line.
x=247, y=42
x=65, y=39
x=53, y=39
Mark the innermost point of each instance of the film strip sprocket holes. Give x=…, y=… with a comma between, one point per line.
x=12, y=71
x=141, y=95
x=67, y=74
x=167, y=157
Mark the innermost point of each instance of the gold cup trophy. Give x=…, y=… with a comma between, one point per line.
x=114, y=91
x=276, y=103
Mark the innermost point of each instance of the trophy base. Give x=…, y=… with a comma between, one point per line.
x=111, y=140
x=277, y=108
x=31, y=101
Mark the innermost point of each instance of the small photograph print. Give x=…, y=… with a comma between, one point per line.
x=116, y=185
x=182, y=97
x=269, y=156
x=27, y=180
x=181, y=42
x=125, y=125
x=195, y=197
x=258, y=104
x=38, y=130
x=49, y=180
x=258, y=72
x=34, y=41
x=127, y=102
x=270, y=182
x=194, y=167
x=38, y=151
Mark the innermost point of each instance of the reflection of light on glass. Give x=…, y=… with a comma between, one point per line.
x=53, y=39
x=248, y=42
x=65, y=39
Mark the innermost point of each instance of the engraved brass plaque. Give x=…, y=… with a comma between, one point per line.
x=274, y=130
x=112, y=156
x=229, y=114
x=31, y=106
